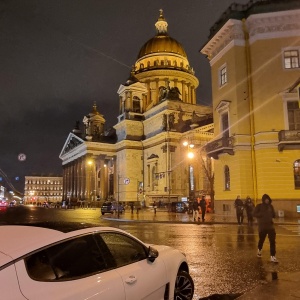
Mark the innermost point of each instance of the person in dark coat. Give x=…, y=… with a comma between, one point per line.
x=202, y=204
x=249, y=207
x=239, y=207
x=195, y=210
x=264, y=212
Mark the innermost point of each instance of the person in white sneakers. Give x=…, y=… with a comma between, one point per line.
x=264, y=212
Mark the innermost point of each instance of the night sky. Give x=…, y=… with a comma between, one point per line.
x=59, y=56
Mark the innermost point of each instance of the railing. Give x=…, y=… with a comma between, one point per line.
x=220, y=146
x=289, y=140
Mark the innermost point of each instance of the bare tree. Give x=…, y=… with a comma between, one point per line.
x=206, y=164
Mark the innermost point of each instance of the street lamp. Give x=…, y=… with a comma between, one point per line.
x=190, y=155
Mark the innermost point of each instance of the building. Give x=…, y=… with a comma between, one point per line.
x=253, y=52
x=39, y=189
x=142, y=158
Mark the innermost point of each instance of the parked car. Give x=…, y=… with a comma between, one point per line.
x=179, y=207
x=91, y=263
x=3, y=203
x=111, y=207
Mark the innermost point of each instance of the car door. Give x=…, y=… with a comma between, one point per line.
x=74, y=269
x=142, y=279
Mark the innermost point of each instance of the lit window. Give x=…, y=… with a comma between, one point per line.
x=297, y=174
x=291, y=59
x=227, y=178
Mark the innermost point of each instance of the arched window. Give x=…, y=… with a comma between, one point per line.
x=297, y=174
x=192, y=180
x=227, y=178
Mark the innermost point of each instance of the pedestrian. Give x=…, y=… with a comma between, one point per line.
x=264, y=213
x=154, y=207
x=195, y=210
x=203, y=207
x=239, y=207
x=131, y=207
x=249, y=207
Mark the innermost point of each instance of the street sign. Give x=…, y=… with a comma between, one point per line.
x=21, y=157
x=126, y=180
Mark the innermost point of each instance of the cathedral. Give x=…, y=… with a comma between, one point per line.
x=145, y=156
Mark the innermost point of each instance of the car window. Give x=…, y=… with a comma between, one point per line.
x=74, y=258
x=124, y=249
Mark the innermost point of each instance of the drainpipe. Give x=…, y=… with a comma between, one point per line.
x=251, y=107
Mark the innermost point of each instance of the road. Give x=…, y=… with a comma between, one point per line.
x=222, y=257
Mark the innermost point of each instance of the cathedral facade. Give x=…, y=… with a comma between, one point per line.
x=142, y=158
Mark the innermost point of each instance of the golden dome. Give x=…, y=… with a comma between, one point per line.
x=162, y=42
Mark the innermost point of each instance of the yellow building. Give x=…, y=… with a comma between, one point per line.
x=40, y=189
x=142, y=157
x=253, y=52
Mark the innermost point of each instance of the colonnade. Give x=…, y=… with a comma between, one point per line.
x=89, y=178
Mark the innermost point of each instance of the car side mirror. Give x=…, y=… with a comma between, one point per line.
x=152, y=254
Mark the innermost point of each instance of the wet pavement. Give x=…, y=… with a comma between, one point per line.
x=287, y=287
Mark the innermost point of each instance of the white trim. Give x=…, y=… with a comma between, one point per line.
x=233, y=43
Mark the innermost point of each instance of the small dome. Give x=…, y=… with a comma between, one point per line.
x=162, y=42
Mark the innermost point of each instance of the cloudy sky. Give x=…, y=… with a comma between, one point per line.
x=59, y=56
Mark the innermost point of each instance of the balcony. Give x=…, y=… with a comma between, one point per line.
x=289, y=140
x=220, y=146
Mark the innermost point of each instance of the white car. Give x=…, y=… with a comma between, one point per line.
x=91, y=263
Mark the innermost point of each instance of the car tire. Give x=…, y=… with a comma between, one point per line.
x=102, y=214
x=184, y=286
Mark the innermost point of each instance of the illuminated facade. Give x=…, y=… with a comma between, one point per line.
x=254, y=51
x=39, y=189
x=142, y=158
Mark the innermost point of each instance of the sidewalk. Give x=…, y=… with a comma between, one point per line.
x=282, y=286
x=163, y=216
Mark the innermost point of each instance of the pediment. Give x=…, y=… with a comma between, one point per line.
x=71, y=143
x=223, y=105
x=135, y=87
x=152, y=156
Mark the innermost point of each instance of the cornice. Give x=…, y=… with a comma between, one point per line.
x=231, y=31
x=273, y=25
x=152, y=75
x=259, y=26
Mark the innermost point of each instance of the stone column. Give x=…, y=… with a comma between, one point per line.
x=102, y=179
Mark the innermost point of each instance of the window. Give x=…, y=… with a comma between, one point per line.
x=124, y=249
x=136, y=103
x=72, y=259
x=293, y=115
x=223, y=75
x=291, y=59
x=225, y=125
x=227, y=178
x=192, y=182
x=297, y=174
x=154, y=178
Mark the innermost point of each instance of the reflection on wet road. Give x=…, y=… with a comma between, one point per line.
x=223, y=257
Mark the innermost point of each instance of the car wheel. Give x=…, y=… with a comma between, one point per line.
x=102, y=214
x=184, y=286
